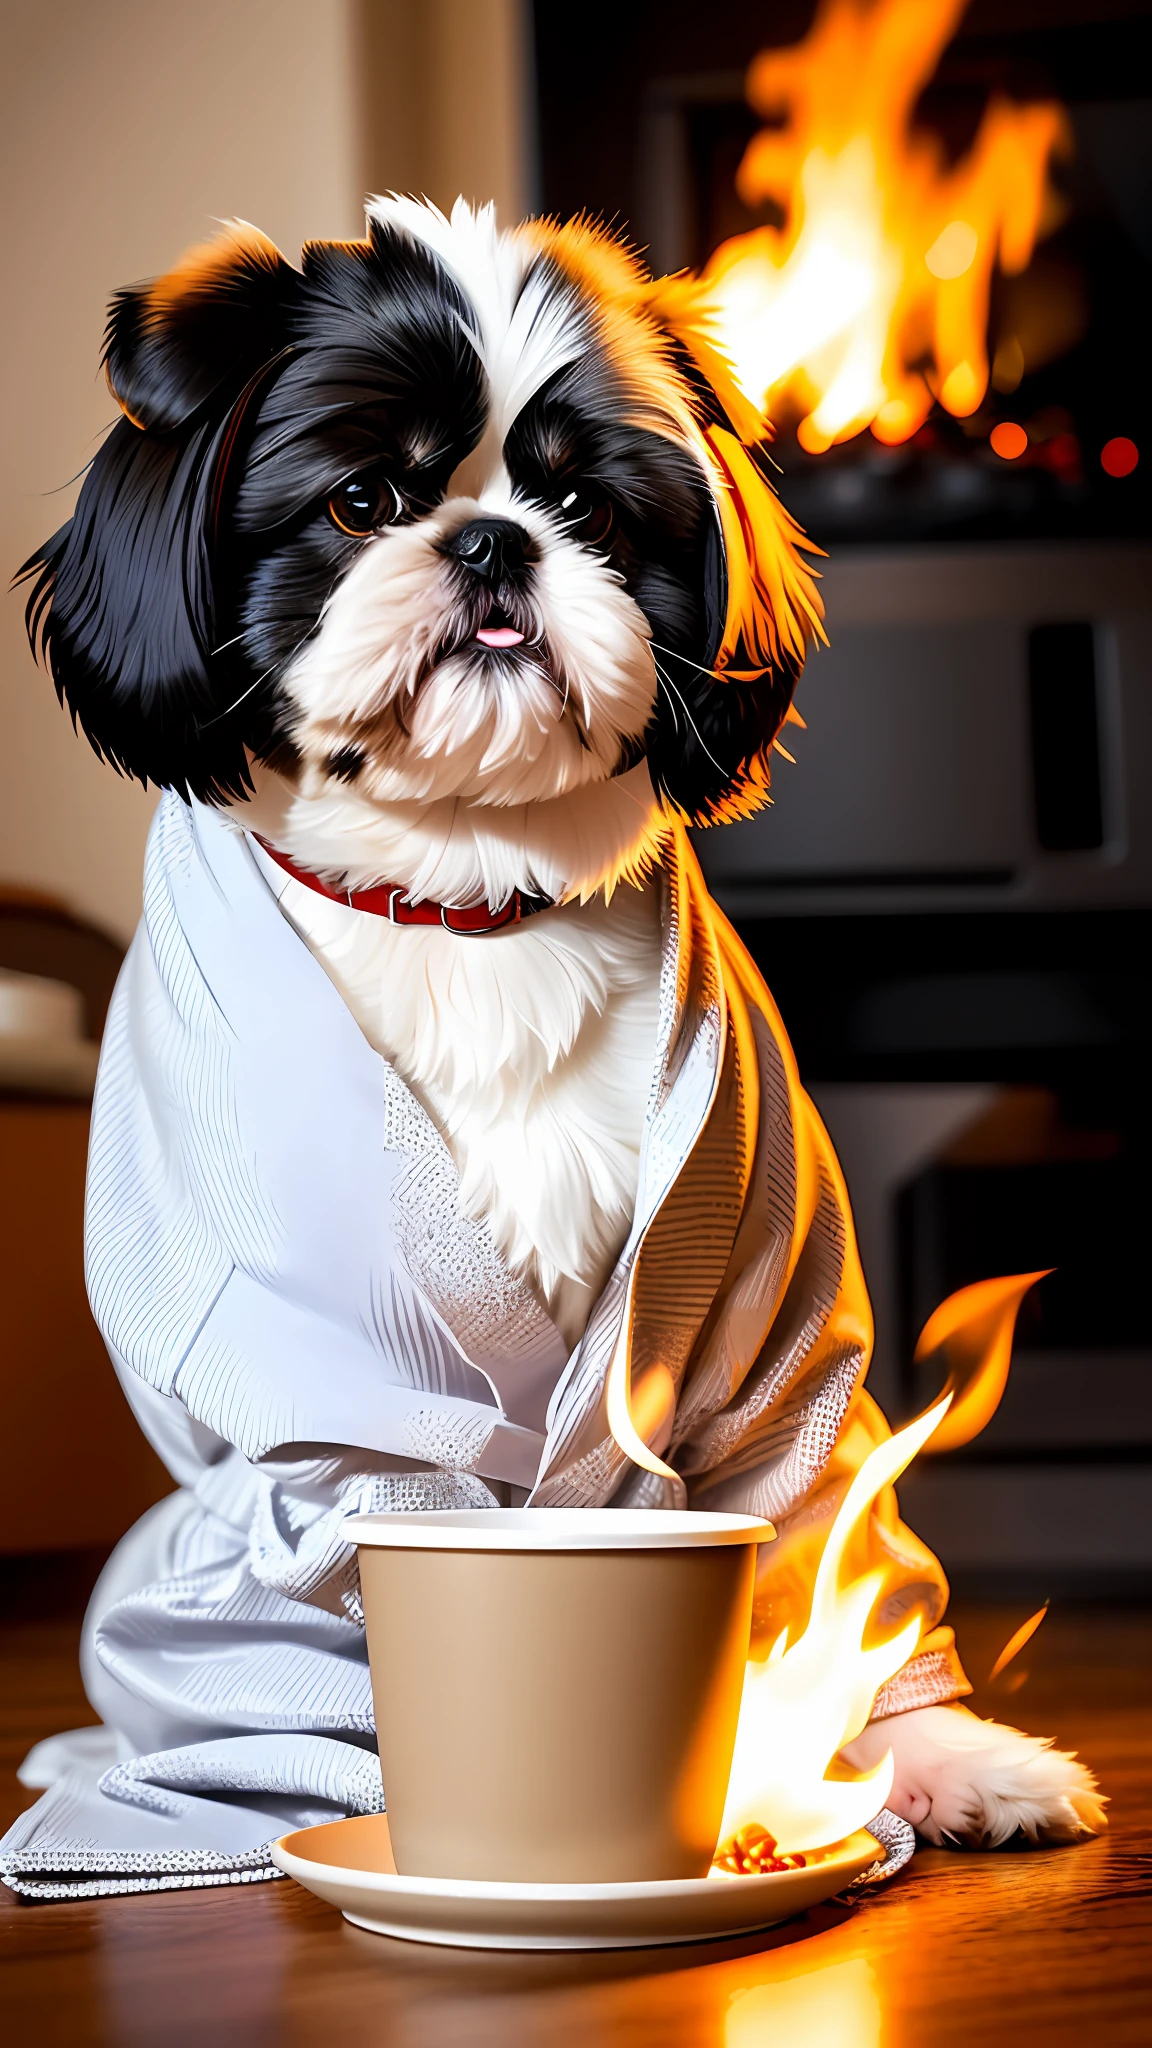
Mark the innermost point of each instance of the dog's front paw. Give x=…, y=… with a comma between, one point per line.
x=965, y=1780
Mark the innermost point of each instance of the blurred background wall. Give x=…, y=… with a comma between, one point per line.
x=127, y=127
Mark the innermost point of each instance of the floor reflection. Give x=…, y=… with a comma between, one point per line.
x=791, y=1987
x=837, y=2006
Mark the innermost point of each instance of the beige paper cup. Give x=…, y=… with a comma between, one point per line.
x=556, y=1690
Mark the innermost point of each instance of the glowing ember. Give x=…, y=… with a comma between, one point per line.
x=752, y=1853
x=1119, y=457
x=872, y=299
x=1015, y=1644
x=1008, y=440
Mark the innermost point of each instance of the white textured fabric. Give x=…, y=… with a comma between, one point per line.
x=260, y=1184
x=250, y=1169
x=240, y=1220
x=130, y=1830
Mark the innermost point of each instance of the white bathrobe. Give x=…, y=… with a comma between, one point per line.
x=306, y=1326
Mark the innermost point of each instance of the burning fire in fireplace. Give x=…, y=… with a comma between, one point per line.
x=871, y=301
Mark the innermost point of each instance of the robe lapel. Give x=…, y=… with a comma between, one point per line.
x=696, y=1156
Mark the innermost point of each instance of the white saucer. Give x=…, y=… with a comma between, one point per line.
x=349, y=1863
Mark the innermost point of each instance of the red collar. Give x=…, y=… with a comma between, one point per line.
x=388, y=900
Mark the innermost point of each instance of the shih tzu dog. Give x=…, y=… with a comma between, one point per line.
x=448, y=568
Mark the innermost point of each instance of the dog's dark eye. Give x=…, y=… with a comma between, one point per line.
x=365, y=504
x=587, y=512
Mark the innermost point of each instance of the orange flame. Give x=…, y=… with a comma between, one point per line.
x=802, y=1706
x=1015, y=1644
x=971, y=1333
x=872, y=300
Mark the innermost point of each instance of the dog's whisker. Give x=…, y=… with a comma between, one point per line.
x=670, y=685
x=203, y=725
x=56, y=489
x=254, y=625
x=677, y=656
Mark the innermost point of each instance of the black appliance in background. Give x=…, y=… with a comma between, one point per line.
x=951, y=896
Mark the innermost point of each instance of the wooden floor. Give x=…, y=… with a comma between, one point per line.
x=1017, y=1948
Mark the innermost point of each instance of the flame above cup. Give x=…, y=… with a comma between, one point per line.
x=802, y=1705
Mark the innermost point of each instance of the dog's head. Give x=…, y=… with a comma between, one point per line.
x=445, y=512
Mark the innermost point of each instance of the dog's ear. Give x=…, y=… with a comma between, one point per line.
x=722, y=708
x=222, y=311
x=124, y=605
x=772, y=614
x=761, y=604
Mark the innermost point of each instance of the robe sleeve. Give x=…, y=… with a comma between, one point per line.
x=243, y=1257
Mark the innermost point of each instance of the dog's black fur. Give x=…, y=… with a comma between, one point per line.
x=202, y=548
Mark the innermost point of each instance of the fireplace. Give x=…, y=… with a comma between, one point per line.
x=951, y=896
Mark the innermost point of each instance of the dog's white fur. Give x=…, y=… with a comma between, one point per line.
x=962, y=1779
x=533, y=1049
x=446, y=851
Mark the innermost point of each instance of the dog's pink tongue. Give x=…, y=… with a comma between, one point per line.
x=499, y=636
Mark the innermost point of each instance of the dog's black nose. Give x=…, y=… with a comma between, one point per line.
x=491, y=548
